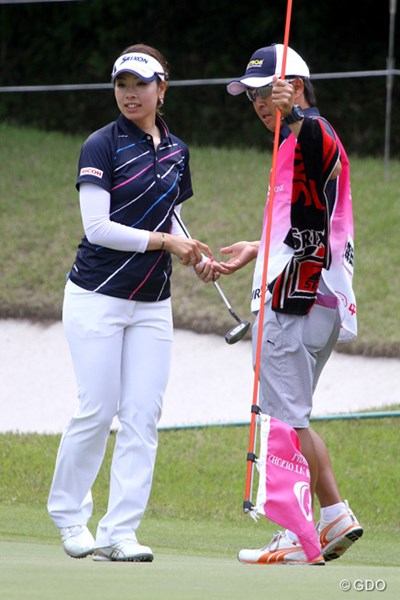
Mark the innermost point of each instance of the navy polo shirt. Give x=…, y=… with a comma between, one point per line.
x=144, y=185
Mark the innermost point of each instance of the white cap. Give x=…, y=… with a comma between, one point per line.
x=264, y=64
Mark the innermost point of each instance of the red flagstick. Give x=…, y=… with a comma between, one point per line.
x=247, y=505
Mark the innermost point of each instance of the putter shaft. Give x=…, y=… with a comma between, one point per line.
x=217, y=286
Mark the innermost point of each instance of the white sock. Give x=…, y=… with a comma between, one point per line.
x=292, y=536
x=330, y=513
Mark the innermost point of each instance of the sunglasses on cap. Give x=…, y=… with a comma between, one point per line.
x=264, y=92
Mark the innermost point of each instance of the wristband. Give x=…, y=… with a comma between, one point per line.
x=162, y=240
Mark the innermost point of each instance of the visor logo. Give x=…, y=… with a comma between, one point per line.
x=124, y=59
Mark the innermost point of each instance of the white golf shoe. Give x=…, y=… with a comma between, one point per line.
x=126, y=550
x=77, y=540
x=280, y=551
x=338, y=535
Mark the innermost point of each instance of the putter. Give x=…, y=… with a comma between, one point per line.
x=233, y=335
x=236, y=333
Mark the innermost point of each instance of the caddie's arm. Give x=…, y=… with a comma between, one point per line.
x=289, y=98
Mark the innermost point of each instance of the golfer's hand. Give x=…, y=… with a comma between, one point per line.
x=206, y=270
x=242, y=253
x=188, y=250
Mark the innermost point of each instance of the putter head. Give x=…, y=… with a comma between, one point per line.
x=236, y=334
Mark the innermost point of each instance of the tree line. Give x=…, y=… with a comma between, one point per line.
x=77, y=42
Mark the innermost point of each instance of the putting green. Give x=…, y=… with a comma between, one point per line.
x=43, y=572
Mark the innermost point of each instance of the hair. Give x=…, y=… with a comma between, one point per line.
x=309, y=92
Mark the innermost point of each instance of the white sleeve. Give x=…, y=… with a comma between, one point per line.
x=176, y=229
x=100, y=230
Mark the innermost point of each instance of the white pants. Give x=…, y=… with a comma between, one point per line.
x=121, y=353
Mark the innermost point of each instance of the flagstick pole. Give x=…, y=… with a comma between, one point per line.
x=247, y=504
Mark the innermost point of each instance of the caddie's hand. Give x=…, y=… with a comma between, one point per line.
x=242, y=253
x=282, y=95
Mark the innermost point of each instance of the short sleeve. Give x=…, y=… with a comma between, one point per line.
x=95, y=161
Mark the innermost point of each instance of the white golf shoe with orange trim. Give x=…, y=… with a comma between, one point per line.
x=338, y=535
x=280, y=551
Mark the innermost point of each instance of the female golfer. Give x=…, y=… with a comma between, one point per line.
x=133, y=174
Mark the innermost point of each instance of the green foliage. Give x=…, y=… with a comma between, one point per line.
x=47, y=43
x=41, y=228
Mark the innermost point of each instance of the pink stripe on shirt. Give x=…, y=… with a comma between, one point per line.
x=131, y=178
x=147, y=276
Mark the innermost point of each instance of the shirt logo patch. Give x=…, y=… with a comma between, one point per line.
x=91, y=171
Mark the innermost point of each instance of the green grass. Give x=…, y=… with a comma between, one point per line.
x=199, y=479
x=195, y=523
x=41, y=572
x=41, y=227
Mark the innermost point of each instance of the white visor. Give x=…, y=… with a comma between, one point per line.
x=142, y=65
